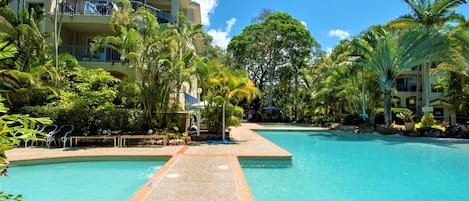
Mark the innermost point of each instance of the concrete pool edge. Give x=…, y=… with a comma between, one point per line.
x=144, y=191
x=159, y=181
x=250, y=145
x=71, y=159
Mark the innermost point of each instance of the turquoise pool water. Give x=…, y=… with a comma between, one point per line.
x=329, y=166
x=77, y=179
x=287, y=125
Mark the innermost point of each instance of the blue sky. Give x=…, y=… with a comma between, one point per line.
x=328, y=21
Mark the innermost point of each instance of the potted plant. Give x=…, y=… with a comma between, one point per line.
x=408, y=117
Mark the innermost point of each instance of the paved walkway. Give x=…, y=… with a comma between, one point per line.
x=204, y=172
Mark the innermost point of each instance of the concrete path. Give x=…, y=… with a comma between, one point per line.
x=205, y=172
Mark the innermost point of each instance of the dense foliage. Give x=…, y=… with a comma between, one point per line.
x=275, y=54
x=274, y=50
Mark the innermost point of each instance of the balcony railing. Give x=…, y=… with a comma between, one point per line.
x=83, y=53
x=104, y=7
x=162, y=16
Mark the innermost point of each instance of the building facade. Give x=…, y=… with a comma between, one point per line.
x=410, y=95
x=82, y=20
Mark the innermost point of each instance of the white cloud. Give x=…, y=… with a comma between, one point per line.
x=341, y=34
x=220, y=37
x=304, y=24
x=206, y=8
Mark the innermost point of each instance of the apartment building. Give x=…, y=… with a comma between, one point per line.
x=410, y=95
x=85, y=19
x=82, y=20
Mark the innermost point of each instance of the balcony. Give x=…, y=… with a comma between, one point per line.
x=162, y=16
x=104, y=8
x=83, y=53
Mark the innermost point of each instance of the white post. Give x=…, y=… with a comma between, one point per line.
x=56, y=32
x=199, y=91
x=198, y=121
x=223, y=122
x=427, y=109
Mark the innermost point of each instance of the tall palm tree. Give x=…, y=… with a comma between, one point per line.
x=160, y=55
x=388, y=54
x=224, y=87
x=26, y=66
x=461, y=66
x=22, y=31
x=433, y=15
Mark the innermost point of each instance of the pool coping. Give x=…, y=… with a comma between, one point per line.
x=175, y=154
x=242, y=185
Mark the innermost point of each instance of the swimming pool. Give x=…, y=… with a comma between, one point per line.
x=94, y=178
x=284, y=125
x=331, y=166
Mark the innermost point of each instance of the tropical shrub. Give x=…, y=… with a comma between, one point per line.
x=352, y=119
x=323, y=120
x=14, y=129
x=428, y=121
x=379, y=115
x=406, y=116
x=224, y=87
x=90, y=122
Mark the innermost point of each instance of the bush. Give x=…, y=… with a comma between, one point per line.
x=428, y=120
x=323, y=120
x=379, y=119
x=406, y=116
x=352, y=119
x=90, y=121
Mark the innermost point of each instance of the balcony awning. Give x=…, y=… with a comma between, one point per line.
x=440, y=102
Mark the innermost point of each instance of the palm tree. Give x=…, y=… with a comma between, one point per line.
x=461, y=64
x=26, y=60
x=138, y=42
x=159, y=53
x=224, y=86
x=22, y=31
x=433, y=15
x=388, y=54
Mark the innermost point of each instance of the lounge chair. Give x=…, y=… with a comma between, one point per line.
x=39, y=128
x=63, y=134
x=50, y=130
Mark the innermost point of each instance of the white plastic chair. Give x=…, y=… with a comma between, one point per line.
x=51, y=130
x=64, y=132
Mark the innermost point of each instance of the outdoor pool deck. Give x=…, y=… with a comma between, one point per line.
x=194, y=172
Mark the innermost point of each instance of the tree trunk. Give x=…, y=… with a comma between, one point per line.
x=426, y=86
x=387, y=106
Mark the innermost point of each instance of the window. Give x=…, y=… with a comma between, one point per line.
x=438, y=112
x=406, y=84
x=411, y=103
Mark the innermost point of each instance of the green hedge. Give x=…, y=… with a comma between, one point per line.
x=90, y=122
